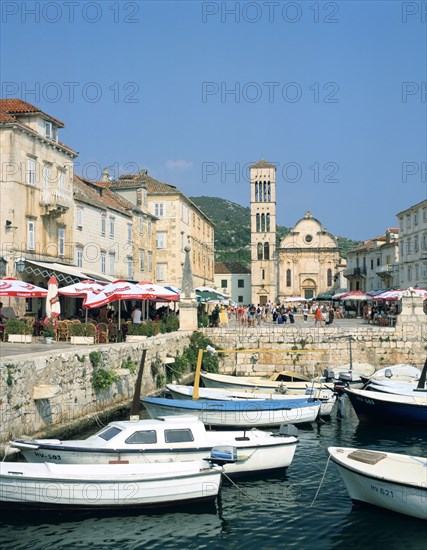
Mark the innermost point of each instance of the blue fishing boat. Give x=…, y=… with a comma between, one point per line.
x=244, y=412
x=389, y=408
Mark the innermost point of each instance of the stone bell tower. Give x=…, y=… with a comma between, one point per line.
x=263, y=232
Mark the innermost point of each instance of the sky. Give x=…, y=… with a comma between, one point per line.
x=333, y=93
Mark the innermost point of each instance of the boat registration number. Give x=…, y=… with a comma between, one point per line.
x=48, y=456
x=381, y=491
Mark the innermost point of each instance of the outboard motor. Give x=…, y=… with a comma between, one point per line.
x=345, y=377
x=288, y=430
x=223, y=454
x=328, y=375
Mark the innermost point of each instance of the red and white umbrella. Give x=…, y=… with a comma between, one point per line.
x=118, y=290
x=356, y=295
x=78, y=290
x=393, y=295
x=13, y=287
x=157, y=293
x=53, y=306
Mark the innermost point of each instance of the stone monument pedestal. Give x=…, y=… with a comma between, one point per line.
x=412, y=311
x=188, y=300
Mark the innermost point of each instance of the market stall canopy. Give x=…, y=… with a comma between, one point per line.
x=13, y=287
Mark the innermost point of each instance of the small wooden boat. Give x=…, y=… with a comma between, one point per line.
x=165, y=439
x=288, y=376
x=255, y=382
x=388, y=408
x=240, y=412
x=396, y=373
x=326, y=397
x=88, y=486
x=388, y=480
x=411, y=382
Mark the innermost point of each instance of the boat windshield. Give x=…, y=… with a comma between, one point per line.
x=109, y=433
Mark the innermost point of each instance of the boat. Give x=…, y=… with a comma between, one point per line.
x=388, y=408
x=226, y=381
x=89, y=486
x=165, y=439
x=411, y=382
x=240, y=412
x=387, y=480
x=398, y=373
x=326, y=397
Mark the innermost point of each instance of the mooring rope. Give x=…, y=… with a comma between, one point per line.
x=321, y=481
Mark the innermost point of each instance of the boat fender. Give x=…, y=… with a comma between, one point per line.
x=288, y=430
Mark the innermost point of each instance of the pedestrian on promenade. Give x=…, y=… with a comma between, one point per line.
x=318, y=318
x=331, y=314
x=305, y=312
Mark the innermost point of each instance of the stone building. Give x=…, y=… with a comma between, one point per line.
x=374, y=265
x=307, y=261
x=413, y=246
x=112, y=236
x=178, y=222
x=36, y=190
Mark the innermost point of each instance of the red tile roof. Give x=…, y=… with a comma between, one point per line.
x=15, y=106
x=101, y=197
x=230, y=267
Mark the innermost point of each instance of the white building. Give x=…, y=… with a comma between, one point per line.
x=374, y=264
x=233, y=279
x=413, y=246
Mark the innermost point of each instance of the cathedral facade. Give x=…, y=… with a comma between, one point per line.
x=305, y=263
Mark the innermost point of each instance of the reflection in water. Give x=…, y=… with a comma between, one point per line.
x=271, y=511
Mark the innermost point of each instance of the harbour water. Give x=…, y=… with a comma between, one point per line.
x=266, y=512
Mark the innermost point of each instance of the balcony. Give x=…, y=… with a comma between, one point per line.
x=56, y=201
x=355, y=273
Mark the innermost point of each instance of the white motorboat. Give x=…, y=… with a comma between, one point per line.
x=325, y=396
x=87, y=486
x=395, y=373
x=388, y=480
x=239, y=412
x=165, y=439
x=226, y=381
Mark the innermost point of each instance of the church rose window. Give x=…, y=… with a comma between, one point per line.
x=308, y=238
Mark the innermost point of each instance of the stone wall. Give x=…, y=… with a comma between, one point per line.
x=61, y=382
x=379, y=346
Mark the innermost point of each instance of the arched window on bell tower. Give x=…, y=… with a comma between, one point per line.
x=268, y=192
x=262, y=222
x=267, y=222
x=256, y=191
x=259, y=251
x=265, y=191
x=266, y=251
x=258, y=222
x=288, y=278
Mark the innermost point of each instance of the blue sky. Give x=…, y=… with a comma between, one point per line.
x=333, y=92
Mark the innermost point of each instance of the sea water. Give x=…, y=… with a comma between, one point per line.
x=276, y=510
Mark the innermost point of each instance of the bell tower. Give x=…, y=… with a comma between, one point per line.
x=263, y=232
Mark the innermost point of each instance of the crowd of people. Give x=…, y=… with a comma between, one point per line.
x=281, y=313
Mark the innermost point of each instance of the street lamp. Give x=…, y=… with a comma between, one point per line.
x=3, y=265
x=20, y=265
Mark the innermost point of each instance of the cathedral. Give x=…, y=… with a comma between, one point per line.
x=305, y=263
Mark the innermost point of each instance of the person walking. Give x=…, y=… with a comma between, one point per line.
x=331, y=314
x=305, y=313
x=318, y=318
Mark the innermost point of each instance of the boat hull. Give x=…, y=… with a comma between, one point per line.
x=245, y=413
x=186, y=392
x=387, y=408
x=364, y=487
x=50, y=486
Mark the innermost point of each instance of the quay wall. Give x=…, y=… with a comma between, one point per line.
x=379, y=346
x=61, y=382
x=42, y=393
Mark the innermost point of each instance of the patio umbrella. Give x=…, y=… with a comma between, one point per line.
x=393, y=295
x=158, y=293
x=117, y=290
x=13, y=287
x=295, y=299
x=53, y=306
x=81, y=290
x=356, y=295
x=324, y=296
